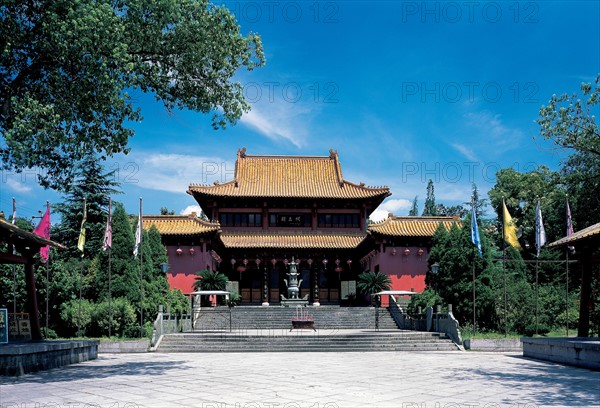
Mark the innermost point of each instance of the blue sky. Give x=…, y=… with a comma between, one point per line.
x=404, y=91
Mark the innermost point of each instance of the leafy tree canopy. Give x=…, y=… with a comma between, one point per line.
x=521, y=192
x=568, y=121
x=67, y=69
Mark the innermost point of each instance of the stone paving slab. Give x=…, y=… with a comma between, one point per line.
x=313, y=380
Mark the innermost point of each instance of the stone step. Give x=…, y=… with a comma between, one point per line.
x=326, y=317
x=392, y=340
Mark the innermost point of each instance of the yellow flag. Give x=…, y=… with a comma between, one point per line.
x=510, y=230
x=81, y=241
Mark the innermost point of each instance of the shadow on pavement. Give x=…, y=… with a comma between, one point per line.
x=547, y=383
x=100, y=368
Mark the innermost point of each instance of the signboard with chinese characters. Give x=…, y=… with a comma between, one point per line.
x=291, y=220
x=3, y=326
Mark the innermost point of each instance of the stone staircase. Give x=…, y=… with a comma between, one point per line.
x=262, y=329
x=274, y=317
x=305, y=341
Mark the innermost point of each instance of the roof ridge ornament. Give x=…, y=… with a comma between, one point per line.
x=242, y=152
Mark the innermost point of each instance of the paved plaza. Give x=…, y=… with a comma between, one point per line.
x=306, y=380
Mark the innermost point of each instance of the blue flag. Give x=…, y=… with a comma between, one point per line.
x=475, y=239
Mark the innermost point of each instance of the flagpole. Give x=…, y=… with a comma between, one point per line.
x=567, y=291
x=79, y=306
x=504, y=269
x=568, y=249
x=110, y=312
x=141, y=252
x=537, y=264
x=47, y=276
x=14, y=267
x=474, y=319
x=476, y=239
x=537, y=293
x=81, y=246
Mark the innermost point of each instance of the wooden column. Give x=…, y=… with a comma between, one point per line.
x=32, y=305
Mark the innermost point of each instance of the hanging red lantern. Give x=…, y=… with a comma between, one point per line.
x=192, y=251
x=394, y=252
x=420, y=252
x=407, y=252
x=179, y=251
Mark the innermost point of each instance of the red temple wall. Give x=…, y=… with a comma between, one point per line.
x=407, y=272
x=183, y=268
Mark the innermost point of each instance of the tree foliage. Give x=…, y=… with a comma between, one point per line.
x=95, y=186
x=429, y=208
x=210, y=280
x=373, y=282
x=414, y=208
x=521, y=192
x=569, y=121
x=67, y=69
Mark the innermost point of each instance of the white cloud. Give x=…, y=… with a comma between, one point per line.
x=393, y=206
x=379, y=215
x=17, y=187
x=465, y=151
x=280, y=121
x=173, y=172
x=267, y=127
x=491, y=129
x=190, y=209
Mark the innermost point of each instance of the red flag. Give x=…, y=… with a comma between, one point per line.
x=43, y=230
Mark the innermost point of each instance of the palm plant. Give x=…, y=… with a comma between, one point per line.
x=373, y=282
x=210, y=280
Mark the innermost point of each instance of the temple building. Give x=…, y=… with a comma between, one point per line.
x=283, y=208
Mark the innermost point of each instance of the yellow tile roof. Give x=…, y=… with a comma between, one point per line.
x=289, y=177
x=292, y=240
x=411, y=226
x=179, y=224
x=579, y=235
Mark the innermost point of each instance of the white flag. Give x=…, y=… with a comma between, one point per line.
x=540, y=232
x=138, y=232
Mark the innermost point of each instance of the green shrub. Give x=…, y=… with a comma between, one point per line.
x=76, y=313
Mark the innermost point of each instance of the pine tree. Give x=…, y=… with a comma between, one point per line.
x=414, y=209
x=479, y=203
x=95, y=186
x=430, y=209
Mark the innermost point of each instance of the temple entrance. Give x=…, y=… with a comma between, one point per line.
x=259, y=284
x=251, y=286
x=329, y=287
